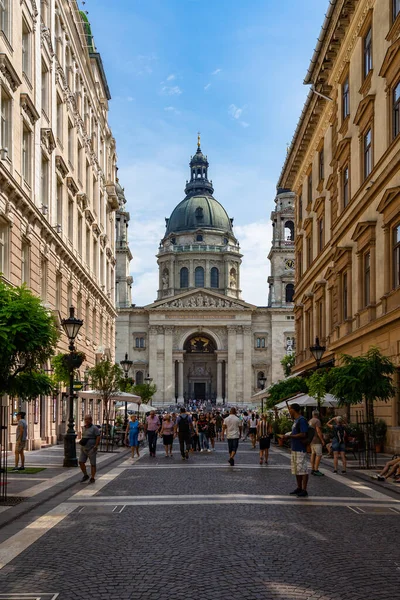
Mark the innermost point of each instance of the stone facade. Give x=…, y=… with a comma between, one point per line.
x=200, y=339
x=57, y=182
x=343, y=165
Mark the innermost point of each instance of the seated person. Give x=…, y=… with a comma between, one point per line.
x=389, y=469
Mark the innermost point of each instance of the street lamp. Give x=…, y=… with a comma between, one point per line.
x=126, y=365
x=262, y=381
x=148, y=379
x=317, y=351
x=71, y=327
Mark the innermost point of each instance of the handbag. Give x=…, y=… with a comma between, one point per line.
x=140, y=436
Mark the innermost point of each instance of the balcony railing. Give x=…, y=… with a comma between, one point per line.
x=199, y=248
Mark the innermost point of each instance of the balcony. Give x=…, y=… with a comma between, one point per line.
x=199, y=248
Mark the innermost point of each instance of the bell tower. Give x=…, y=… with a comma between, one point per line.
x=281, y=280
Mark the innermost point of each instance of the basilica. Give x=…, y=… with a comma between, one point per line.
x=200, y=339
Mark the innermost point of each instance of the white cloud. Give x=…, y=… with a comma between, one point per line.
x=171, y=77
x=244, y=123
x=207, y=87
x=141, y=64
x=171, y=90
x=216, y=72
x=234, y=111
x=172, y=110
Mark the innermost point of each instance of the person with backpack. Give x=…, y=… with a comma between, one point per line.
x=300, y=436
x=183, y=428
x=338, y=442
x=253, y=423
x=202, y=427
x=264, y=432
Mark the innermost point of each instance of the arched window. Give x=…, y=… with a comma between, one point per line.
x=184, y=277
x=289, y=231
x=139, y=377
x=260, y=342
x=199, y=214
x=199, y=277
x=214, y=277
x=289, y=292
x=199, y=237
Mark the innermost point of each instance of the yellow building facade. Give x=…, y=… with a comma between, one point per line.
x=344, y=166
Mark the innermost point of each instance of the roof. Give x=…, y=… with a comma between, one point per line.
x=198, y=212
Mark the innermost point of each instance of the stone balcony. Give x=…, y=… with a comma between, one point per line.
x=198, y=248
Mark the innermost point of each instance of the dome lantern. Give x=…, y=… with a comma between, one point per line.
x=198, y=183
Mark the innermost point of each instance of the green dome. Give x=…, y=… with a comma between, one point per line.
x=196, y=212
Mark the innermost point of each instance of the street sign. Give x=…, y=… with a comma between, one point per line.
x=78, y=385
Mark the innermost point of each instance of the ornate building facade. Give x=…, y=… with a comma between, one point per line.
x=199, y=339
x=343, y=165
x=57, y=182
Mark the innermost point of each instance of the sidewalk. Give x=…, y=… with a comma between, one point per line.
x=53, y=479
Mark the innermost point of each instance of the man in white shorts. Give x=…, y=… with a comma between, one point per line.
x=316, y=445
x=299, y=459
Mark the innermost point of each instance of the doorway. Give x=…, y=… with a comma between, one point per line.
x=200, y=390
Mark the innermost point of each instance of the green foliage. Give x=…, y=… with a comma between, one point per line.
x=284, y=424
x=61, y=365
x=106, y=378
x=288, y=362
x=145, y=390
x=284, y=389
x=367, y=377
x=126, y=384
x=317, y=386
x=380, y=430
x=28, y=337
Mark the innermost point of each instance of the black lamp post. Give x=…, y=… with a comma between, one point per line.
x=71, y=327
x=126, y=365
x=262, y=381
x=148, y=379
x=317, y=351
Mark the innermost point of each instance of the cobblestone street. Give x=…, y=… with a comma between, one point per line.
x=168, y=529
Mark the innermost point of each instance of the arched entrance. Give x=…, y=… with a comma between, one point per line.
x=200, y=368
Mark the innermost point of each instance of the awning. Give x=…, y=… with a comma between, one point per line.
x=328, y=401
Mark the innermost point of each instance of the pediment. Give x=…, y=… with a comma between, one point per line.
x=391, y=59
x=388, y=197
x=342, y=147
x=200, y=299
x=364, y=109
x=362, y=228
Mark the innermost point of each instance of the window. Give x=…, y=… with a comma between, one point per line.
x=396, y=9
x=260, y=342
x=367, y=278
x=88, y=247
x=139, y=342
x=289, y=231
x=367, y=143
x=80, y=232
x=60, y=120
x=25, y=252
x=101, y=330
x=69, y=295
x=71, y=221
x=94, y=324
x=289, y=292
x=26, y=50
x=44, y=11
x=321, y=164
x=184, y=277
x=309, y=188
x=87, y=320
x=396, y=109
x=139, y=378
x=44, y=182
x=59, y=201
x=95, y=258
x=88, y=181
x=199, y=238
x=70, y=143
x=43, y=279
x=6, y=129
x=79, y=305
x=45, y=89
x=345, y=99
x=320, y=234
x=300, y=207
x=344, y=296
x=199, y=277
x=80, y=159
x=309, y=250
x=26, y=154
x=4, y=247
x=214, y=277
x=396, y=256
x=5, y=17
x=58, y=291
x=367, y=42
x=345, y=186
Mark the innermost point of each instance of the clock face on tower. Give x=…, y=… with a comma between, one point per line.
x=289, y=263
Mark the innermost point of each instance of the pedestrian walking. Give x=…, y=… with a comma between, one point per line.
x=20, y=441
x=233, y=430
x=152, y=427
x=219, y=421
x=183, y=428
x=89, y=443
x=338, y=443
x=245, y=424
x=202, y=427
x=298, y=457
x=211, y=430
x=132, y=434
x=195, y=434
x=264, y=432
x=316, y=445
x=253, y=422
x=167, y=433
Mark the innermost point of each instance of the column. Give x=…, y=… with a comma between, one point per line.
x=152, y=370
x=247, y=344
x=207, y=281
x=387, y=263
x=372, y=251
x=191, y=274
x=171, y=283
x=219, y=382
x=231, y=374
x=169, y=376
x=180, y=381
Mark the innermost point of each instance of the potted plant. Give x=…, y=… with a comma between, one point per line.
x=285, y=424
x=380, y=434
x=74, y=360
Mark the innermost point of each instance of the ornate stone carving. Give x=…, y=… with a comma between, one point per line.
x=47, y=139
x=29, y=108
x=201, y=301
x=46, y=37
x=9, y=72
x=61, y=166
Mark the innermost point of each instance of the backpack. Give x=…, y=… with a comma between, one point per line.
x=184, y=425
x=310, y=433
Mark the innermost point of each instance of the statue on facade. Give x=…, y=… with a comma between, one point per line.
x=165, y=279
x=232, y=278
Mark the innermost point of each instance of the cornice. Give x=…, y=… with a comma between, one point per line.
x=7, y=69
x=29, y=108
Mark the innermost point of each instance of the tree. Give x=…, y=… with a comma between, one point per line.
x=284, y=389
x=145, y=390
x=28, y=337
x=106, y=379
x=288, y=362
x=317, y=386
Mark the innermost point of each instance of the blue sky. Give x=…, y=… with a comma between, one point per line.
x=233, y=71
